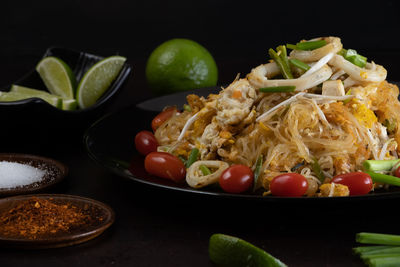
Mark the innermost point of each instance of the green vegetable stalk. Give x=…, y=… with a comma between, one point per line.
x=204, y=170
x=378, y=239
x=380, y=165
x=283, y=66
x=192, y=157
x=277, y=89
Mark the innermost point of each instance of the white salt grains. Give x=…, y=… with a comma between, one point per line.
x=13, y=174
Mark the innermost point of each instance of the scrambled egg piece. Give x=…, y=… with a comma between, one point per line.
x=364, y=115
x=235, y=103
x=334, y=190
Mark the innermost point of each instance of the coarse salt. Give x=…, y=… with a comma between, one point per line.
x=13, y=174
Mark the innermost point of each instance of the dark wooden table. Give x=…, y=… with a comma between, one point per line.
x=156, y=227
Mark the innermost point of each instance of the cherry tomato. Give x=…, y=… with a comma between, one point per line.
x=236, y=179
x=397, y=172
x=145, y=142
x=162, y=117
x=289, y=185
x=359, y=183
x=165, y=165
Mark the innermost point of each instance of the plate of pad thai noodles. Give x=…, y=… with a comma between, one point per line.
x=316, y=120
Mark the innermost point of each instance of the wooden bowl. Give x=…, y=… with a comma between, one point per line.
x=82, y=234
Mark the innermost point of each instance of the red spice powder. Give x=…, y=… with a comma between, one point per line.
x=37, y=218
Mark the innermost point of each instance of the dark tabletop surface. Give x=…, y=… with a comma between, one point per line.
x=156, y=227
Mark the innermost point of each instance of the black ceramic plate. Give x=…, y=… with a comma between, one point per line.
x=110, y=142
x=37, y=116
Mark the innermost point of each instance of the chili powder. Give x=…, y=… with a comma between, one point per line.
x=37, y=218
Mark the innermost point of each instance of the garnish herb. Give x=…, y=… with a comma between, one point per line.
x=281, y=62
x=352, y=56
x=386, y=254
x=380, y=165
x=299, y=64
x=369, y=249
x=383, y=178
x=378, y=239
x=277, y=89
x=257, y=171
x=390, y=125
x=182, y=159
x=317, y=170
x=192, y=157
x=310, y=45
x=187, y=107
x=204, y=170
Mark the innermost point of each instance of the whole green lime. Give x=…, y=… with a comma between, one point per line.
x=178, y=65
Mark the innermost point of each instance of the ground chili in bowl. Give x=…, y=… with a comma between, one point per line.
x=40, y=221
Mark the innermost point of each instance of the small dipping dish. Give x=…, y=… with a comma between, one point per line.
x=53, y=172
x=78, y=220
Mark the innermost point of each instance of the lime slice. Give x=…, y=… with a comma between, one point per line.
x=57, y=76
x=69, y=104
x=97, y=80
x=66, y=104
x=225, y=250
x=15, y=96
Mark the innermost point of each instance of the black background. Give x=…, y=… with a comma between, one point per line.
x=237, y=33
x=158, y=228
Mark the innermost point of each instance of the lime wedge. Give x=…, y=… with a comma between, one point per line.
x=225, y=250
x=97, y=80
x=66, y=104
x=57, y=76
x=15, y=96
x=69, y=104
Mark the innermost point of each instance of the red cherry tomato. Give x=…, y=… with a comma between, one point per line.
x=397, y=172
x=165, y=165
x=145, y=142
x=162, y=117
x=289, y=185
x=359, y=183
x=236, y=179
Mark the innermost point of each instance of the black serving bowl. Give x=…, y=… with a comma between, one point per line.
x=35, y=122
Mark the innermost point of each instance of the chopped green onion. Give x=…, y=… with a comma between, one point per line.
x=383, y=178
x=384, y=262
x=291, y=46
x=380, y=165
x=383, y=251
x=309, y=45
x=182, y=159
x=299, y=64
x=187, y=107
x=283, y=55
x=352, y=56
x=347, y=100
x=192, y=157
x=277, y=89
x=370, y=249
x=378, y=239
x=257, y=171
x=317, y=170
x=205, y=170
x=285, y=70
x=390, y=125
